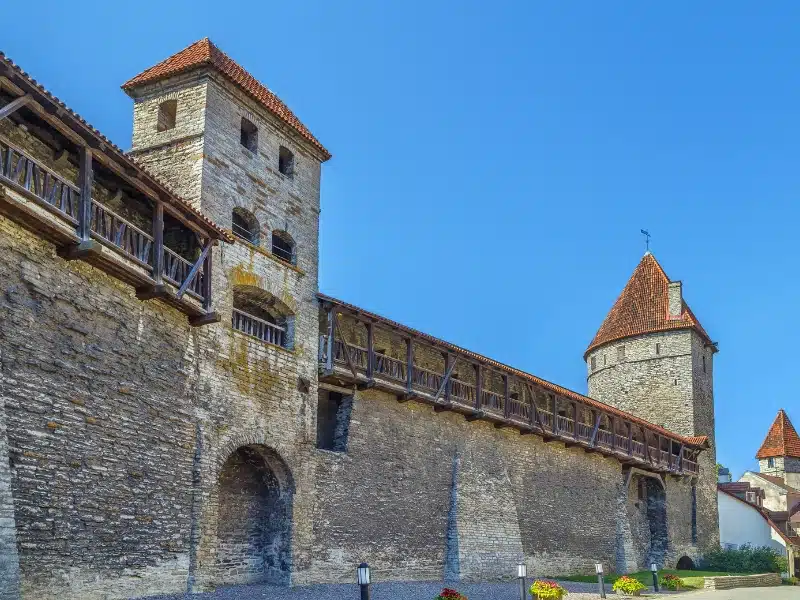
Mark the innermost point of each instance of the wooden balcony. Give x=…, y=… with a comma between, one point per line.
x=150, y=239
x=346, y=363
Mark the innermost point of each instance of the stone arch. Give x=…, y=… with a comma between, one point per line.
x=245, y=225
x=643, y=522
x=261, y=314
x=685, y=564
x=283, y=246
x=254, y=494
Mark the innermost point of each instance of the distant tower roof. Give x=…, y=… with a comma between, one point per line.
x=643, y=307
x=205, y=53
x=781, y=440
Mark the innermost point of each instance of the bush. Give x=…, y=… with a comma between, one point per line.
x=671, y=582
x=791, y=581
x=746, y=559
x=543, y=589
x=450, y=594
x=627, y=585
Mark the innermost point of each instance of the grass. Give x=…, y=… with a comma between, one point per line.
x=691, y=579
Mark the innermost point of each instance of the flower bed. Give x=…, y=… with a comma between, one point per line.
x=628, y=586
x=671, y=582
x=450, y=594
x=543, y=589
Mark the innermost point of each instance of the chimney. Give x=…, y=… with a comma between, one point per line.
x=675, y=299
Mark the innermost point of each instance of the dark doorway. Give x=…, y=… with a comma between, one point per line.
x=685, y=564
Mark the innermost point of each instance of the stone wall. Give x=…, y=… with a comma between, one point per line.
x=727, y=583
x=9, y=559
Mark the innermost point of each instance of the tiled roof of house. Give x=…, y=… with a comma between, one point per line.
x=774, y=480
x=694, y=441
x=205, y=53
x=643, y=307
x=126, y=159
x=781, y=440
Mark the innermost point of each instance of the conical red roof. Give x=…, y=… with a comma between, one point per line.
x=643, y=307
x=205, y=53
x=782, y=439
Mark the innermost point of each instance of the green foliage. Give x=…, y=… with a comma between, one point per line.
x=628, y=585
x=746, y=559
x=790, y=581
x=671, y=582
x=543, y=589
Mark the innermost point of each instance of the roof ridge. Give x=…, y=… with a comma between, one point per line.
x=781, y=440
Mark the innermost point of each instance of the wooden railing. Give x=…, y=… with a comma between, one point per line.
x=258, y=328
x=425, y=383
x=53, y=192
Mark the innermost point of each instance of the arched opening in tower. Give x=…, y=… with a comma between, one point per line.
x=657, y=520
x=254, y=525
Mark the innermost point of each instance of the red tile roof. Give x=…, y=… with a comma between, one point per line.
x=697, y=441
x=205, y=53
x=170, y=196
x=781, y=440
x=643, y=307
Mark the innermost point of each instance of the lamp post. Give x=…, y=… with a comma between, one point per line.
x=599, y=568
x=654, y=570
x=522, y=573
x=363, y=580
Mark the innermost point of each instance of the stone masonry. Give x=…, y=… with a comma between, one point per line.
x=147, y=456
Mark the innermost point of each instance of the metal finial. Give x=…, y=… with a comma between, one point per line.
x=646, y=239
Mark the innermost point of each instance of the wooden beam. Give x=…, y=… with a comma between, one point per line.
x=158, y=242
x=345, y=348
x=331, y=346
x=613, y=422
x=506, y=397
x=475, y=416
x=630, y=438
x=85, y=185
x=207, y=287
x=478, y=385
x=680, y=459
x=593, y=441
x=409, y=365
x=15, y=105
x=554, y=410
x=575, y=420
x=370, y=350
x=195, y=269
x=449, y=366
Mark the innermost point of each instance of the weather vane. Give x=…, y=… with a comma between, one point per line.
x=646, y=238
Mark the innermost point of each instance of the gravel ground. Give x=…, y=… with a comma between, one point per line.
x=386, y=591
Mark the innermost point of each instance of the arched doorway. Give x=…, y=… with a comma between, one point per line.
x=254, y=525
x=656, y=499
x=685, y=564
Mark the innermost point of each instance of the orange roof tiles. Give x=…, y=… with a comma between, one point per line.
x=643, y=307
x=781, y=440
x=205, y=53
x=697, y=441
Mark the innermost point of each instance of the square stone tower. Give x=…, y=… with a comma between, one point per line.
x=651, y=357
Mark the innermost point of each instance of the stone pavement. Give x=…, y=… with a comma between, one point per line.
x=783, y=592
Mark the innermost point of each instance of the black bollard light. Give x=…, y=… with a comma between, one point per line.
x=522, y=573
x=600, y=581
x=654, y=569
x=363, y=580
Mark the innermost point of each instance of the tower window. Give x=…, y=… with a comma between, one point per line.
x=604, y=360
x=249, y=137
x=286, y=161
x=621, y=354
x=245, y=225
x=283, y=246
x=704, y=363
x=658, y=348
x=771, y=463
x=167, y=113
x=594, y=363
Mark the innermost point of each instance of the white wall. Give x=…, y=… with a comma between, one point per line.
x=740, y=523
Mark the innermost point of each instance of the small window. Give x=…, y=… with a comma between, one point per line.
x=704, y=363
x=283, y=246
x=604, y=360
x=245, y=226
x=658, y=348
x=333, y=421
x=594, y=363
x=286, y=162
x=621, y=354
x=167, y=113
x=249, y=137
x=771, y=463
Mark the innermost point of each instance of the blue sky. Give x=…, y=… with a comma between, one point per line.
x=494, y=163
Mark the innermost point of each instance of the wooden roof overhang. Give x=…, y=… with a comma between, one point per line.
x=24, y=201
x=340, y=367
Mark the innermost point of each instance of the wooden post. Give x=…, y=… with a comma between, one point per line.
x=613, y=422
x=331, y=330
x=532, y=407
x=630, y=438
x=207, y=282
x=575, y=420
x=195, y=269
x=447, y=371
x=85, y=185
x=660, y=444
x=158, y=243
x=553, y=409
x=506, y=397
x=478, y=385
x=409, y=364
x=370, y=351
x=15, y=105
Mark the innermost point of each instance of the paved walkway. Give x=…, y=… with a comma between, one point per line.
x=783, y=592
